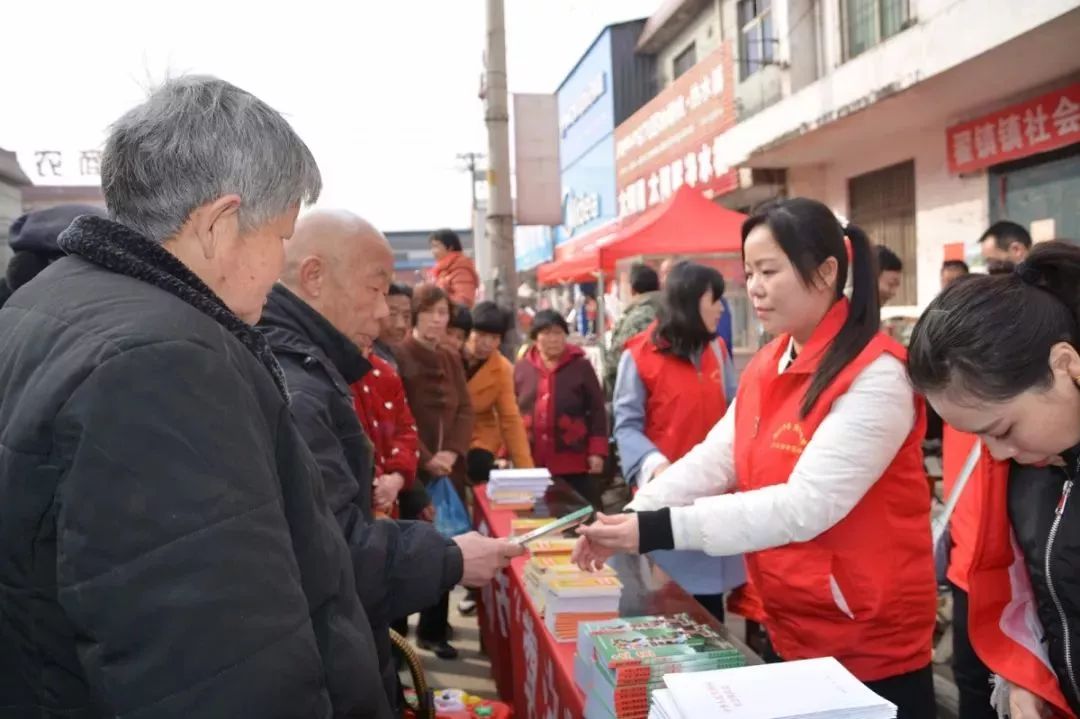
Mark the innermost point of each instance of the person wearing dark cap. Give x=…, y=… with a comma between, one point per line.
x=562, y=406
x=33, y=240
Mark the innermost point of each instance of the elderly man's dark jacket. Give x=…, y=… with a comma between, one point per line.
x=165, y=546
x=400, y=567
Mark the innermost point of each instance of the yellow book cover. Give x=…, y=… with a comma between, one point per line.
x=553, y=546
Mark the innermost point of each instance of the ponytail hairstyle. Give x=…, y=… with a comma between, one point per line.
x=809, y=234
x=679, y=329
x=988, y=337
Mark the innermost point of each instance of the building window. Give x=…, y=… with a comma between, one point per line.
x=757, y=43
x=684, y=61
x=882, y=203
x=868, y=22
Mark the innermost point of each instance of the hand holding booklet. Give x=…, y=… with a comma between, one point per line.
x=807, y=689
x=556, y=526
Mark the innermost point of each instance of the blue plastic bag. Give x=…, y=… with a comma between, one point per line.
x=451, y=517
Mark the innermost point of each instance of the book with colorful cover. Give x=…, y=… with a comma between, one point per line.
x=581, y=585
x=660, y=645
x=631, y=674
x=628, y=624
x=524, y=525
x=552, y=546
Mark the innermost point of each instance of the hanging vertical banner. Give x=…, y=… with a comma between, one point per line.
x=669, y=142
x=538, y=199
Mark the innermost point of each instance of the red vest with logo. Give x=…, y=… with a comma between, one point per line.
x=864, y=590
x=684, y=402
x=1005, y=636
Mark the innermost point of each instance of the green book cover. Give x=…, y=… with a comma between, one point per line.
x=651, y=646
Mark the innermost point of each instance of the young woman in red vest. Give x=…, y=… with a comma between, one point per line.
x=999, y=356
x=673, y=384
x=822, y=448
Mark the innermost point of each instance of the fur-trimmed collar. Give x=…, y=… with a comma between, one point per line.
x=120, y=249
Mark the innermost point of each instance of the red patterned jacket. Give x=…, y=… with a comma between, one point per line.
x=384, y=413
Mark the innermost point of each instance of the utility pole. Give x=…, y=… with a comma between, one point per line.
x=470, y=158
x=500, y=210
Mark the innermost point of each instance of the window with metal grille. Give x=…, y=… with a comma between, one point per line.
x=684, y=60
x=868, y=22
x=882, y=203
x=757, y=42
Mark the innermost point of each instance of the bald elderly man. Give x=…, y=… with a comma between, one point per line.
x=333, y=292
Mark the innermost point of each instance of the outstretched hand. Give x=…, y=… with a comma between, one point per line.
x=610, y=534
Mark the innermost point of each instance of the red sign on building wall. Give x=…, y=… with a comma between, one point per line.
x=1038, y=125
x=668, y=143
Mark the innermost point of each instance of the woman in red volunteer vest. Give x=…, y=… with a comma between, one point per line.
x=999, y=357
x=823, y=449
x=672, y=386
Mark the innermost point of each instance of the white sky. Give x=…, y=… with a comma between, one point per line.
x=384, y=93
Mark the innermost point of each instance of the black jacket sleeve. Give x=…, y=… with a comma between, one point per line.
x=174, y=558
x=400, y=567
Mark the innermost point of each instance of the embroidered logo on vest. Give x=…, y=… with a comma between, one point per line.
x=789, y=437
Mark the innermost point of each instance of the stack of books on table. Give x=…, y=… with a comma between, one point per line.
x=620, y=663
x=524, y=525
x=572, y=598
x=807, y=689
x=517, y=488
x=542, y=566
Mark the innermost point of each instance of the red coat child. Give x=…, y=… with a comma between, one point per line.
x=384, y=414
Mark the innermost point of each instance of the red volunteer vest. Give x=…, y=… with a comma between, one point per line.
x=684, y=403
x=862, y=591
x=1000, y=630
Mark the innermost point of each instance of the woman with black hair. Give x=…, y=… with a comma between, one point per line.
x=673, y=384
x=815, y=471
x=454, y=272
x=562, y=407
x=998, y=356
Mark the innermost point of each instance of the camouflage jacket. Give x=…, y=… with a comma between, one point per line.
x=639, y=314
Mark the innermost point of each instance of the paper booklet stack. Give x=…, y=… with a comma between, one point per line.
x=541, y=566
x=572, y=598
x=807, y=689
x=517, y=488
x=620, y=663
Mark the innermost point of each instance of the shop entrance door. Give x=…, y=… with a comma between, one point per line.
x=882, y=203
x=1042, y=193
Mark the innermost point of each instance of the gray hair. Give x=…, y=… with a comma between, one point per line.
x=195, y=139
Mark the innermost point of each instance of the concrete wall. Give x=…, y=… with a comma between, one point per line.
x=704, y=32
x=947, y=33
x=947, y=208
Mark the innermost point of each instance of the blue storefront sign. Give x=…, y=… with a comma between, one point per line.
x=533, y=245
x=586, y=142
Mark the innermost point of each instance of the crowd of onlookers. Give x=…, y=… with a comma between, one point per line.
x=225, y=430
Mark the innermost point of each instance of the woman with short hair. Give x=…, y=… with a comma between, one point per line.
x=563, y=407
x=454, y=272
x=435, y=386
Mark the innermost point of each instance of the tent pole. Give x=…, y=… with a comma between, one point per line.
x=601, y=318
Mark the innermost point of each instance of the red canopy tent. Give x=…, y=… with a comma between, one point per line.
x=686, y=223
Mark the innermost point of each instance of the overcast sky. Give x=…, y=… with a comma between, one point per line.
x=384, y=93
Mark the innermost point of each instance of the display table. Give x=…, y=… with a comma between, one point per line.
x=533, y=672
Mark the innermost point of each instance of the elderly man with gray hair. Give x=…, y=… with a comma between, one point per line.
x=166, y=549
